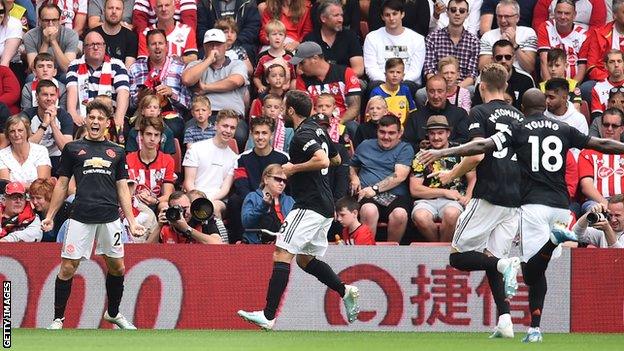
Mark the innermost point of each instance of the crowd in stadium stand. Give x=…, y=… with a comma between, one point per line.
x=196, y=90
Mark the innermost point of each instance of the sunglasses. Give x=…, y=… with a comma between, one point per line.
x=2, y=11
x=279, y=179
x=617, y=90
x=461, y=10
x=501, y=57
x=612, y=125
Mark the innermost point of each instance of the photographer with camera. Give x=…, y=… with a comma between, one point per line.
x=603, y=226
x=183, y=222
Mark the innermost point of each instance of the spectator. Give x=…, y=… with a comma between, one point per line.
x=10, y=34
x=209, y=165
x=22, y=161
x=319, y=76
x=295, y=14
x=40, y=195
x=202, y=129
x=394, y=40
x=181, y=38
x=122, y=43
x=275, y=76
x=603, y=40
x=273, y=107
x=614, y=61
x=340, y=45
x=354, y=232
x=267, y=206
x=149, y=108
x=161, y=74
x=470, y=21
x=51, y=37
x=97, y=74
x=326, y=105
x=437, y=201
x=562, y=32
x=73, y=15
x=50, y=125
x=417, y=15
x=557, y=62
x=398, y=97
x=152, y=170
x=517, y=82
x=43, y=69
x=222, y=80
x=233, y=50
x=275, y=54
x=96, y=11
x=9, y=89
x=376, y=107
x=145, y=13
x=350, y=9
x=600, y=175
x=19, y=220
x=437, y=104
x=454, y=41
x=456, y=94
x=523, y=39
x=588, y=12
x=616, y=99
x=607, y=232
x=378, y=172
x=560, y=108
x=488, y=20
x=245, y=13
x=185, y=230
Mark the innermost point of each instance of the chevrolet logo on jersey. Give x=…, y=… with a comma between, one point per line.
x=96, y=162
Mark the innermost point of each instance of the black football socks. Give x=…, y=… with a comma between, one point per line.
x=472, y=261
x=277, y=285
x=326, y=275
x=62, y=289
x=114, y=291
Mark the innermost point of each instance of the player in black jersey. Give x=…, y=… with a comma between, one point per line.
x=485, y=230
x=304, y=232
x=541, y=145
x=99, y=169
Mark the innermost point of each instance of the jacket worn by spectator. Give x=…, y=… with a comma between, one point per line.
x=256, y=214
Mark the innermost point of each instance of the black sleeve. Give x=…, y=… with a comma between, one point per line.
x=476, y=99
x=66, y=164
x=460, y=130
x=578, y=139
x=4, y=115
x=132, y=50
x=341, y=175
x=210, y=227
x=122, y=167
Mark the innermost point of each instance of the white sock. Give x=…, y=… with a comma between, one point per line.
x=504, y=319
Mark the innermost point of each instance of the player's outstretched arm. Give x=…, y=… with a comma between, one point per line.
x=475, y=147
x=125, y=201
x=318, y=161
x=606, y=146
x=58, y=196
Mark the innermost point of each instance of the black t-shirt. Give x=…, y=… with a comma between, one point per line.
x=311, y=189
x=498, y=174
x=345, y=46
x=542, y=145
x=96, y=166
x=416, y=124
x=121, y=45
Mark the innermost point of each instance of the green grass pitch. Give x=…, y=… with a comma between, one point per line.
x=183, y=340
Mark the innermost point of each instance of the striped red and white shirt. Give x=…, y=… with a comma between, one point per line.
x=607, y=171
x=144, y=13
x=180, y=40
x=548, y=37
x=151, y=176
x=600, y=94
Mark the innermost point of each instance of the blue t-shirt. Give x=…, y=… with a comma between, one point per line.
x=375, y=164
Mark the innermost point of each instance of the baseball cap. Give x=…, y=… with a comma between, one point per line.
x=306, y=50
x=437, y=122
x=214, y=35
x=15, y=188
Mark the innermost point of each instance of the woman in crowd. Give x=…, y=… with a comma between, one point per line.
x=23, y=161
x=40, y=194
x=295, y=14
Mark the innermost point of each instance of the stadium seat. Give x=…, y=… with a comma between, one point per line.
x=177, y=157
x=585, y=112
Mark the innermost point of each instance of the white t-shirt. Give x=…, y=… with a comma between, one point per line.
x=526, y=38
x=12, y=30
x=26, y=172
x=213, y=165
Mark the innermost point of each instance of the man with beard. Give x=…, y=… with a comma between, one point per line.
x=122, y=43
x=304, y=232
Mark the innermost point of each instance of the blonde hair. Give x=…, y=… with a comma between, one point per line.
x=273, y=26
x=226, y=22
x=376, y=98
x=448, y=60
x=145, y=101
x=15, y=119
x=271, y=169
x=199, y=100
x=494, y=76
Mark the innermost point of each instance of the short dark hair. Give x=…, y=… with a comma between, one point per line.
x=45, y=83
x=262, y=121
x=613, y=52
x=177, y=195
x=614, y=111
x=348, y=202
x=501, y=44
x=555, y=54
x=396, y=5
x=557, y=84
x=267, y=71
x=393, y=62
x=99, y=106
x=156, y=123
x=43, y=56
x=460, y=1
x=325, y=4
x=299, y=101
x=49, y=5
x=389, y=120
x=153, y=32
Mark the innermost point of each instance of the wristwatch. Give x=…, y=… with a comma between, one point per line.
x=41, y=126
x=375, y=189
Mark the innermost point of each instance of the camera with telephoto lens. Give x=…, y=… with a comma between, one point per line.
x=174, y=213
x=595, y=217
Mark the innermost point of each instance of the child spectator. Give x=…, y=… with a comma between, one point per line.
x=326, y=104
x=353, y=232
x=202, y=129
x=44, y=68
x=234, y=52
x=375, y=109
x=398, y=96
x=273, y=107
x=276, y=53
x=149, y=107
x=456, y=95
x=275, y=76
x=557, y=61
